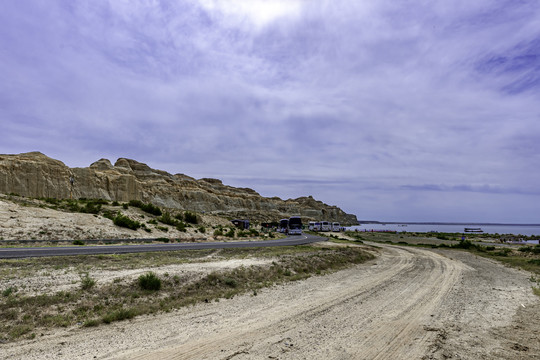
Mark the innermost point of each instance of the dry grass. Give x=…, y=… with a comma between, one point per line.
x=93, y=304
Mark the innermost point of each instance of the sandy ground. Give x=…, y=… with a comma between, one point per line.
x=409, y=303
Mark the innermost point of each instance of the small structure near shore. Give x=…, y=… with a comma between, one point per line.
x=476, y=230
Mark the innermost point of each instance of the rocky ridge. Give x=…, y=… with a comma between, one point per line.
x=37, y=175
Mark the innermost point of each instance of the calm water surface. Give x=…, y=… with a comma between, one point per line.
x=487, y=228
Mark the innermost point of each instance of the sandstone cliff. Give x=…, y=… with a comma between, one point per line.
x=36, y=175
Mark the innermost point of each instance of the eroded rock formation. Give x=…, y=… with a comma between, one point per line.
x=37, y=175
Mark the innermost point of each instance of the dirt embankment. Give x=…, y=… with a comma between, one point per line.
x=408, y=304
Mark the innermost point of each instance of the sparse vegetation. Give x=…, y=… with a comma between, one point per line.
x=218, y=232
x=148, y=208
x=125, y=221
x=93, y=304
x=87, y=282
x=525, y=257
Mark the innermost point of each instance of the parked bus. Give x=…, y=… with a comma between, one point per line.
x=283, y=225
x=295, y=225
x=336, y=227
x=317, y=226
x=326, y=226
x=311, y=226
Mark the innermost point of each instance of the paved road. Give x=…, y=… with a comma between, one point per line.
x=10, y=253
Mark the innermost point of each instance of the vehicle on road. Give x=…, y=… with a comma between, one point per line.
x=326, y=226
x=295, y=225
x=311, y=226
x=283, y=226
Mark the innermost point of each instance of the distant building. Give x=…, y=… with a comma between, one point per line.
x=241, y=224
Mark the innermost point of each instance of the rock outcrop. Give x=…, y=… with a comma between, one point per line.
x=37, y=175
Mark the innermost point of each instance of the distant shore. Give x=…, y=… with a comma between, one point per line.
x=442, y=223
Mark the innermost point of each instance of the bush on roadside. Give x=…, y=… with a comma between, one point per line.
x=119, y=315
x=87, y=282
x=218, y=232
x=149, y=281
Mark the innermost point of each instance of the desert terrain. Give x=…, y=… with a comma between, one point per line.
x=407, y=303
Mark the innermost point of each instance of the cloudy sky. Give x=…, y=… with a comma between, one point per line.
x=392, y=110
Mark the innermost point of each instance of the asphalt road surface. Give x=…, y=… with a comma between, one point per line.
x=24, y=252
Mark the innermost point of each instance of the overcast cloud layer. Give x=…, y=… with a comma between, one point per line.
x=404, y=111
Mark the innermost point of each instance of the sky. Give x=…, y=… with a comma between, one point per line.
x=391, y=110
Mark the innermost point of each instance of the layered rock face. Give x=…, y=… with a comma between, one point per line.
x=36, y=175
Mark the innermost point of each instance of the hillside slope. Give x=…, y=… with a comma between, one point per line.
x=39, y=176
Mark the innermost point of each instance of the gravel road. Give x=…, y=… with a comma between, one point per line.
x=409, y=303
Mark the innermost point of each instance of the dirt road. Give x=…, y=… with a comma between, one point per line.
x=407, y=304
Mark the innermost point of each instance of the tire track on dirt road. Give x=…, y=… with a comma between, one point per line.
x=371, y=312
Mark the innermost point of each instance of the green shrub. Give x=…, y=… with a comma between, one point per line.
x=202, y=229
x=124, y=221
x=136, y=203
x=230, y=282
x=78, y=242
x=179, y=217
x=10, y=290
x=151, y=209
x=502, y=252
x=253, y=232
x=230, y=233
x=218, y=232
x=167, y=219
x=119, y=315
x=534, y=261
x=149, y=281
x=181, y=226
x=91, y=323
x=190, y=217
x=87, y=282
x=163, y=239
x=52, y=201
x=108, y=214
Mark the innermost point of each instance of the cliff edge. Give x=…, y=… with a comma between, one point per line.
x=37, y=175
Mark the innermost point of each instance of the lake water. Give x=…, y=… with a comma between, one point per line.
x=451, y=228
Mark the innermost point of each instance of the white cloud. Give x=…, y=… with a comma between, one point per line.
x=256, y=13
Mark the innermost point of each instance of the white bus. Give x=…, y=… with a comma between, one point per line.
x=326, y=226
x=295, y=225
x=311, y=226
x=336, y=227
